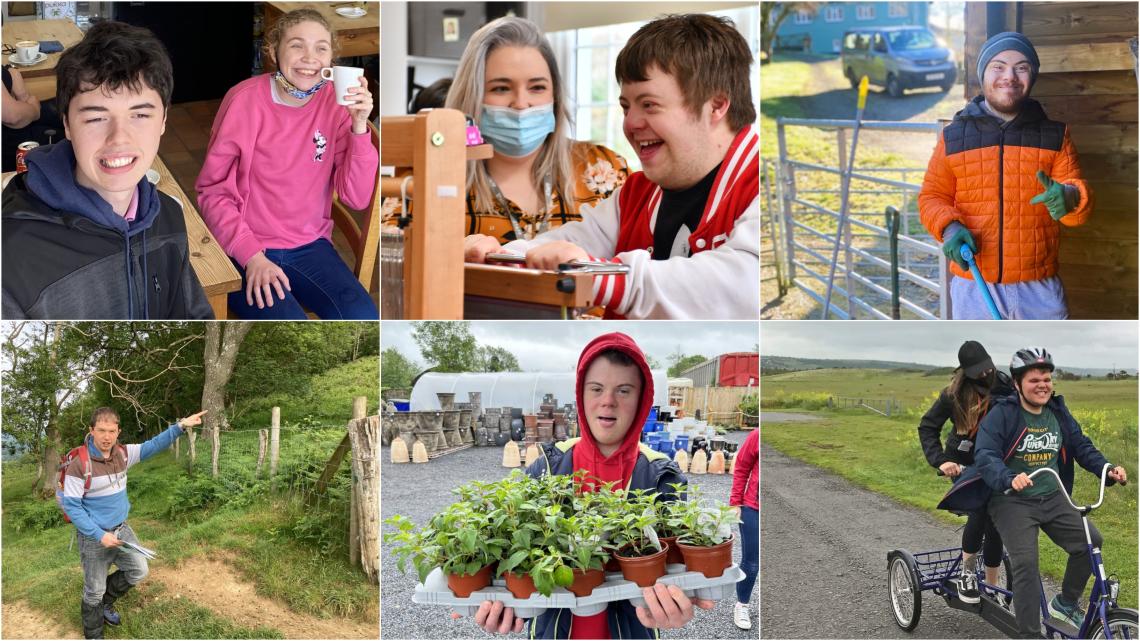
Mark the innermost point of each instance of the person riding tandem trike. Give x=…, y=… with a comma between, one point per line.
x=1023, y=478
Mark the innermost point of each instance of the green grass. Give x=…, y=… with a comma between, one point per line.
x=291, y=552
x=884, y=455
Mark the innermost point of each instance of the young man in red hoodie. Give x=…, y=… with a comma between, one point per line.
x=614, y=395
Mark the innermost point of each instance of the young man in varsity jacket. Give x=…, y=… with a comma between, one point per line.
x=99, y=507
x=688, y=223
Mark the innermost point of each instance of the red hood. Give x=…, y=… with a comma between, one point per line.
x=619, y=465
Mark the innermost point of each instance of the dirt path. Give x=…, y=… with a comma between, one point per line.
x=213, y=584
x=21, y=621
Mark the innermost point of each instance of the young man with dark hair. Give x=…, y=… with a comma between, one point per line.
x=85, y=234
x=94, y=495
x=1023, y=433
x=1002, y=181
x=687, y=225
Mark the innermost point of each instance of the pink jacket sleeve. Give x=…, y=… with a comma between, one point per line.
x=356, y=164
x=747, y=458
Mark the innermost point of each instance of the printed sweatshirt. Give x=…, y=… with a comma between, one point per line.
x=105, y=504
x=271, y=169
x=719, y=278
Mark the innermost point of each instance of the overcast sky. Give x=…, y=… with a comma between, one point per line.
x=1099, y=344
x=553, y=346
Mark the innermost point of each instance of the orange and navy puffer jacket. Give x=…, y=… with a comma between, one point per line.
x=983, y=174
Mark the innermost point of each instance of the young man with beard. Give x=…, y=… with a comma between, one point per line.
x=1021, y=434
x=688, y=224
x=1002, y=181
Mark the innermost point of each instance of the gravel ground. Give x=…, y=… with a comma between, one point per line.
x=419, y=491
x=824, y=552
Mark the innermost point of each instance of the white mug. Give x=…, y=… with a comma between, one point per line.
x=343, y=78
x=27, y=50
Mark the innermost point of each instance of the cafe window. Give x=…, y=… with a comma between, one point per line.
x=898, y=9
x=865, y=12
x=833, y=14
x=587, y=57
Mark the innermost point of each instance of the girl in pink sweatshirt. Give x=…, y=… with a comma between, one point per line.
x=279, y=148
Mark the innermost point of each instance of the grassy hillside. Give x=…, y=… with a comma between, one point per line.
x=883, y=454
x=292, y=552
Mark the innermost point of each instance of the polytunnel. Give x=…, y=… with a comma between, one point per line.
x=510, y=389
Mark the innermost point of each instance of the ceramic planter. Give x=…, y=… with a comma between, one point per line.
x=709, y=561
x=520, y=585
x=674, y=554
x=644, y=570
x=585, y=581
x=462, y=585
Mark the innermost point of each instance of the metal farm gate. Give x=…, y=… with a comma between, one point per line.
x=889, y=266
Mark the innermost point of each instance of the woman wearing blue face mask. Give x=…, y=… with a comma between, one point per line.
x=539, y=178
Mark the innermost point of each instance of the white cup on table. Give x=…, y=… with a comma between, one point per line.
x=27, y=50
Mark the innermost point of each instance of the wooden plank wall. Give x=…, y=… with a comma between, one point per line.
x=1088, y=81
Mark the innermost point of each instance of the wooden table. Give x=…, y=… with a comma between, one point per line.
x=357, y=36
x=40, y=79
x=217, y=274
x=213, y=268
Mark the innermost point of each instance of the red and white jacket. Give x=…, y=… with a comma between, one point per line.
x=719, y=278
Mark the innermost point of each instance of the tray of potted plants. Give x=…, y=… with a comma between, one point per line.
x=535, y=544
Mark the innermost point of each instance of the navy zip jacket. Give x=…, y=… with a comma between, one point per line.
x=653, y=470
x=68, y=255
x=998, y=435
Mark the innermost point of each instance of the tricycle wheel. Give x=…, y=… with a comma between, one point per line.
x=904, y=589
x=1121, y=623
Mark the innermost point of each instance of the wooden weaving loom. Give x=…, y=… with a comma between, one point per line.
x=429, y=154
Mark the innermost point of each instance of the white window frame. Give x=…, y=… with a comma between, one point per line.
x=833, y=13
x=802, y=17
x=865, y=12
x=898, y=9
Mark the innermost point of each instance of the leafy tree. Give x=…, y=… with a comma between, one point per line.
x=685, y=363
x=450, y=346
x=396, y=370
x=772, y=15
x=497, y=359
x=652, y=362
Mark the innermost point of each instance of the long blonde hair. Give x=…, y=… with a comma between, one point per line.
x=466, y=95
x=969, y=401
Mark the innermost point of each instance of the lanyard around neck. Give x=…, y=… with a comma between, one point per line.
x=533, y=230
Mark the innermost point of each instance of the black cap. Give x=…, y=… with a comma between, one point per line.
x=973, y=359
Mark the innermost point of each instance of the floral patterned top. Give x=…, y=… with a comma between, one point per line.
x=598, y=172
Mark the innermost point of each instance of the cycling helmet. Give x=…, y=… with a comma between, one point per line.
x=1030, y=357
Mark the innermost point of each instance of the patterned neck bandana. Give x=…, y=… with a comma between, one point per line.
x=292, y=89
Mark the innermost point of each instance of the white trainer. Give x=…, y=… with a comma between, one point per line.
x=741, y=617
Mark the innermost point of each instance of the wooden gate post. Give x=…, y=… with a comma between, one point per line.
x=365, y=436
x=262, y=442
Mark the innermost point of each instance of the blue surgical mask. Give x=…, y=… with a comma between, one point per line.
x=517, y=133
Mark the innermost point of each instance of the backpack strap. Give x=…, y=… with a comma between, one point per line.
x=85, y=461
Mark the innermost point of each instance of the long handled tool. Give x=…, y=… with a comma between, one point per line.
x=846, y=191
x=968, y=256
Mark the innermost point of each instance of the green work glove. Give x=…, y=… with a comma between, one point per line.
x=1058, y=198
x=953, y=237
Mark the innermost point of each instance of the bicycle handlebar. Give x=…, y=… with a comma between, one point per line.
x=1087, y=508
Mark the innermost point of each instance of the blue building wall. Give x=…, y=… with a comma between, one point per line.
x=827, y=26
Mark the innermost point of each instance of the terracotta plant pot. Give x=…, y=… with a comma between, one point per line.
x=709, y=561
x=520, y=585
x=612, y=565
x=644, y=570
x=462, y=585
x=585, y=581
x=674, y=554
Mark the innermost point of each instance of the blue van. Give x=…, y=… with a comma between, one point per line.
x=898, y=58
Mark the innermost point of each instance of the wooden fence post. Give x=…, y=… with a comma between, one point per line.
x=359, y=408
x=216, y=447
x=262, y=442
x=365, y=436
x=177, y=441
x=274, y=441
x=192, y=437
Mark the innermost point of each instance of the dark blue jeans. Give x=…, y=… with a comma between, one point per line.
x=320, y=281
x=749, y=552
